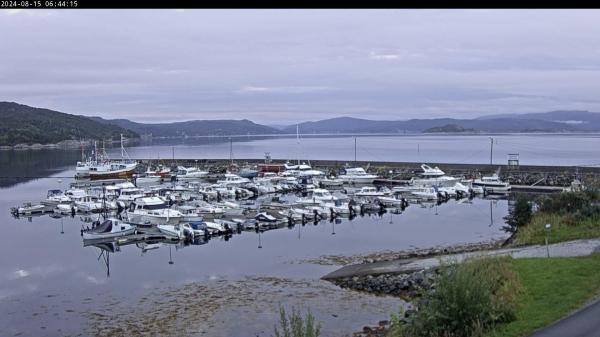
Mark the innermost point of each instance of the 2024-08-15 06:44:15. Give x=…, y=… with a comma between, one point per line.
x=38, y=4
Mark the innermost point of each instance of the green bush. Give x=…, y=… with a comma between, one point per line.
x=294, y=325
x=568, y=202
x=518, y=216
x=469, y=299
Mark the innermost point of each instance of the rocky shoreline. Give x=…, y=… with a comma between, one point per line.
x=405, y=286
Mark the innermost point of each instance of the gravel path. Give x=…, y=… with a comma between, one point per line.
x=563, y=249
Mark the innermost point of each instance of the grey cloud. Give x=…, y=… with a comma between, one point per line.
x=279, y=66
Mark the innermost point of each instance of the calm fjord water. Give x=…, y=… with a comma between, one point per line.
x=533, y=149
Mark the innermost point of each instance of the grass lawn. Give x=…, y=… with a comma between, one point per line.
x=563, y=229
x=553, y=288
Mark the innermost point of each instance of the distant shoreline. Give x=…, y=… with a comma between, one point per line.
x=62, y=145
x=76, y=144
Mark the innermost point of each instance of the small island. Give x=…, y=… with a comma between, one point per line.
x=449, y=128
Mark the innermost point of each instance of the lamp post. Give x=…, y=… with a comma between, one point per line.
x=548, y=228
x=259, y=241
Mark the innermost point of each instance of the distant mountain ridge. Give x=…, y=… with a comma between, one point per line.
x=498, y=124
x=193, y=128
x=22, y=124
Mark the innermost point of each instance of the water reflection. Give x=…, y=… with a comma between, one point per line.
x=90, y=279
x=23, y=166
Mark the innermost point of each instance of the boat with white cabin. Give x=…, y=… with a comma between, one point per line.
x=357, y=175
x=110, y=228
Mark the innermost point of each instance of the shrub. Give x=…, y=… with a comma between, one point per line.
x=294, y=325
x=469, y=299
x=568, y=202
x=519, y=215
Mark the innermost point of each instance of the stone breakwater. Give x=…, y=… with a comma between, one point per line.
x=406, y=286
x=342, y=260
x=401, y=172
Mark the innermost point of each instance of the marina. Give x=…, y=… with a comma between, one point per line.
x=199, y=223
x=272, y=223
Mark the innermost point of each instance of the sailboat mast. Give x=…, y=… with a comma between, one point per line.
x=354, y=150
x=122, y=148
x=298, y=141
x=231, y=150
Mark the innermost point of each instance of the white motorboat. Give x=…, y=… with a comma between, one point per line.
x=433, y=177
x=206, y=209
x=301, y=170
x=426, y=193
x=55, y=197
x=109, y=229
x=391, y=202
x=190, y=213
x=369, y=191
x=190, y=173
x=331, y=182
x=172, y=231
x=357, y=175
x=320, y=194
x=65, y=209
x=28, y=208
x=130, y=194
x=265, y=217
x=492, y=184
x=230, y=208
x=152, y=210
x=217, y=227
x=148, y=179
x=233, y=179
x=196, y=228
x=87, y=203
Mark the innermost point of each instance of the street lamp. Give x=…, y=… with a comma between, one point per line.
x=259, y=242
x=548, y=227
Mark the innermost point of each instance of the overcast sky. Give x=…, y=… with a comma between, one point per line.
x=285, y=66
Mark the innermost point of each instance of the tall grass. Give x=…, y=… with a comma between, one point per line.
x=468, y=300
x=294, y=325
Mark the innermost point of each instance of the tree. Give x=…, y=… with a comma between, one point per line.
x=518, y=216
